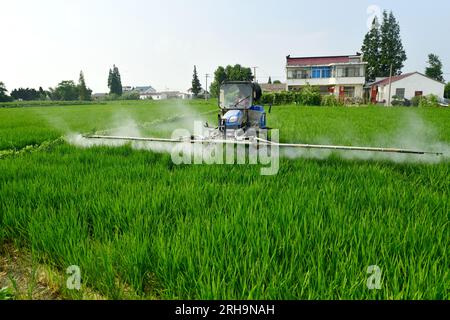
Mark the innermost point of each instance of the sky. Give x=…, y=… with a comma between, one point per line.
x=158, y=42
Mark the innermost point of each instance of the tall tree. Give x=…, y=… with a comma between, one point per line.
x=42, y=94
x=371, y=51
x=392, y=52
x=66, y=91
x=230, y=73
x=84, y=92
x=110, y=76
x=3, y=96
x=270, y=80
x=196, y=86
x=219, y=77
x=434, y=69
x=115, y=81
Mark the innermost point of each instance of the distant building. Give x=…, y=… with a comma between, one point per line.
x=153, y=96
x=343, y=76
x=96, y=96
x=200, y=94
x=273, y=87
x=405, y=86
x=140, y=89
x=164, y=95
x=145, y=89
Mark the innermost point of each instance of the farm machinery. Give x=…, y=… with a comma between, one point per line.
x=242, y=120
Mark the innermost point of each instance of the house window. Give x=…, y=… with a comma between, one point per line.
x=321, y=72
x=418, y=93
x=348, y=72
x=352, y=72
x=400, y=93
x=349, y=91
x=316, y=73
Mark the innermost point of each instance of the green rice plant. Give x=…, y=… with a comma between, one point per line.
x=136, y=224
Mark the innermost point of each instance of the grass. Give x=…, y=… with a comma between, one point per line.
x=140, y=226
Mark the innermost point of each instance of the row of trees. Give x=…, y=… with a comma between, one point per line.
x=228, y=73
x=66, y=90
x=69, y=91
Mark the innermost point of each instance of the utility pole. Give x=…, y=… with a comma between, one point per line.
x=254, y=73
x=206, y=90
x=390, y=87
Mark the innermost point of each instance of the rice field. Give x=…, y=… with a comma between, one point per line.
x=139, y=226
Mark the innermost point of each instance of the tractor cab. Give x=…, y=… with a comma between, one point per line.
x=238, y=107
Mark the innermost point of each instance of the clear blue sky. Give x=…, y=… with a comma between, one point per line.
x=158, y=42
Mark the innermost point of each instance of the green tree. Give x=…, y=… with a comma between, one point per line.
x=25, y=94
x=230, y=73
x=277, y=82
x=371, y=51
x=115, y=81
x=434, y=69
x=84, y=92
x=3, y=96
x=196, y=86
x=219, y=77
x=65, y=91
x=43, y=94
x=391, y=47
x=270, y=80
x=447, y=91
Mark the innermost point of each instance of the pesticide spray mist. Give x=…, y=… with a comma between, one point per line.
x=414, y=133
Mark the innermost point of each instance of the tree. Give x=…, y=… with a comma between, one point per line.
x=84, y=93
x=371, y=51
x=391, y=47
x=114, y=81
x=277, y=82
x=196, y=86
x=447, y=91
x=230, y=73
x=25, y=94
x=434, y=69
x=65, y=91
x=3, y=96
x=270, y=80
x=43, y=94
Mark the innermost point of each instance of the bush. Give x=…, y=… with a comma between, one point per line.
x=307, y=97
x=330, y=101
x=415, y=101
x=268, y=98
x=429, y=101
x=310, y=96
x=131, y=95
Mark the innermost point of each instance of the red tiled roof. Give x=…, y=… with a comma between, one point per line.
x=394, y=79
x=308, y=61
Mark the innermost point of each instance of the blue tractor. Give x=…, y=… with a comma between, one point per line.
x=240, y=114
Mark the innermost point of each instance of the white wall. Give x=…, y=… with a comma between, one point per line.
x=411, y=84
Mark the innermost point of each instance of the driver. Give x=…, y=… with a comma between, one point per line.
x=242, y=100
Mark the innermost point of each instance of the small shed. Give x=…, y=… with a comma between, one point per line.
x=405, y=86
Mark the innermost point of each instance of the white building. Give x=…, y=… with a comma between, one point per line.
x=405, y=86
x=153, y=96
x=343, y=76
x=164, y=95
